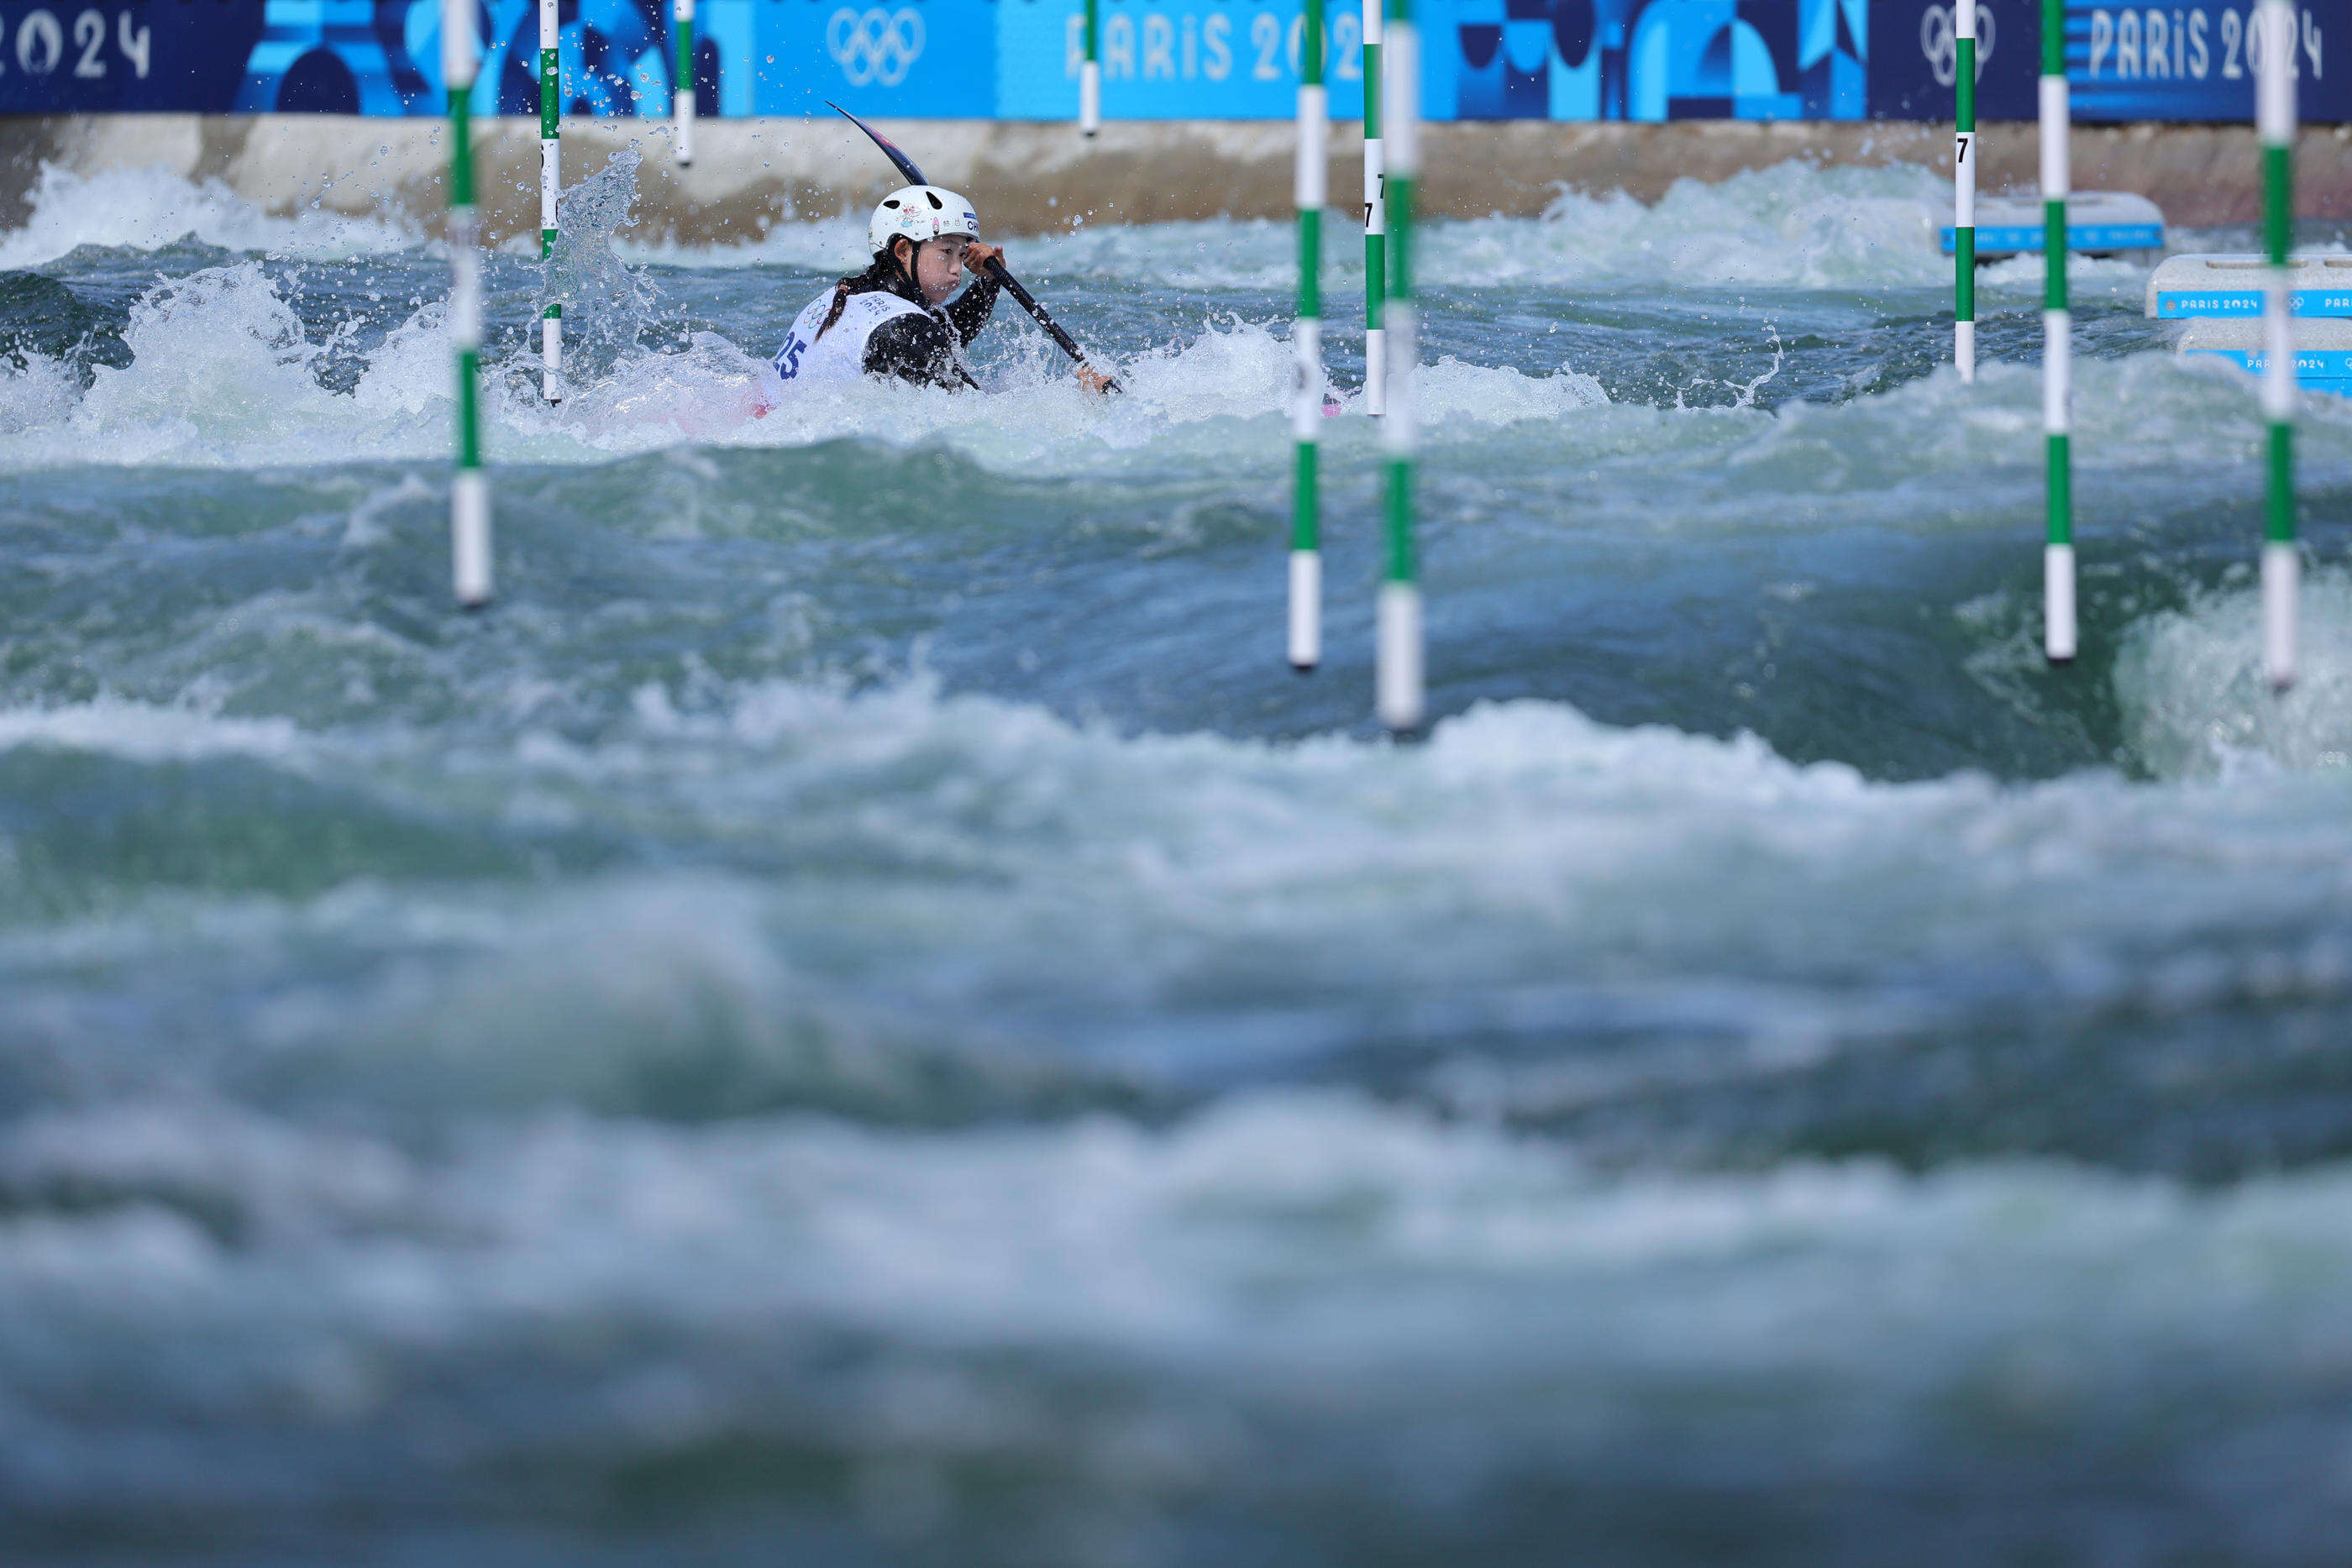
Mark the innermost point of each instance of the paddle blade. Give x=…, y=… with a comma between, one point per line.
x=889, y=149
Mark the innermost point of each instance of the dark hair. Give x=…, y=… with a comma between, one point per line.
x=881, y=273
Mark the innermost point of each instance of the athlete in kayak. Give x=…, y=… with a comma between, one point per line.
x=894, y=318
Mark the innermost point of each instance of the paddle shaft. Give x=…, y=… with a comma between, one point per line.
x=995, y=269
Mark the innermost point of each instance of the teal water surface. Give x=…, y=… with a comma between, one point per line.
x=862, y=1015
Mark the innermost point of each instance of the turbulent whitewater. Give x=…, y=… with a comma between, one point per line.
x=862, y=1015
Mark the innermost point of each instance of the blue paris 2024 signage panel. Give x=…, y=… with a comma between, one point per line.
x=1485, y=59
x=1018, y=60
x=2182, y=62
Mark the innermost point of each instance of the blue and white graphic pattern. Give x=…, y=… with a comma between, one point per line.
x=1018, y=60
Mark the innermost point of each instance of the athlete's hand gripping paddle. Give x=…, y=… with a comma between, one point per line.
x=994, y=267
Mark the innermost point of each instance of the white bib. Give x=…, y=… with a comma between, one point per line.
x=840, y=355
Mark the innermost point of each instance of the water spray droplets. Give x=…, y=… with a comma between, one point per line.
x=605, y=304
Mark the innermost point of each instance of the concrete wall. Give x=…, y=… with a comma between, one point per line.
x=1027, y=178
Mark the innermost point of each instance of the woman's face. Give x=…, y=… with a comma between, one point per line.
x=939, y=268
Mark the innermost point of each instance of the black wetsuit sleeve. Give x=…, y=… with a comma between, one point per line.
x=917, y=349
x=970, y=310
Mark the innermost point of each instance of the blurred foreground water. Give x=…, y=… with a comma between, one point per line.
x=863, y=1016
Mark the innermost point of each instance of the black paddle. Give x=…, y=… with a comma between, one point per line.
x=995, y=268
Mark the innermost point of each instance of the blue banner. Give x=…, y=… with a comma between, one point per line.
x=1174, y=60
x=2123, y=63
x=1663, y=59
x=2195, y=62
x=922, y=58
x=124, y=56
x=1912, y=73
x=2246, y=304
x=1238, y=59
x=1481, y=60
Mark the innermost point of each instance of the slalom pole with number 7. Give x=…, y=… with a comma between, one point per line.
x=1964, y=187
x=1307, y=334
x=1376, y=218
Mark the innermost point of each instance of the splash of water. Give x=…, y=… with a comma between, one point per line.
x=605, y=303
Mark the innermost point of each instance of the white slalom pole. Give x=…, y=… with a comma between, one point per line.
x=470, y=492
x=2057, y=341
x=1398, y=674
x=1376, y=218
x=1309, y=196
x=681, y=97
x=1964, y=188
x=1090, y=74
x=2274, y=120
x=550, y=187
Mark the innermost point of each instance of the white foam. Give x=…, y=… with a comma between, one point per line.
x=1517, y=833
x=1179, y=402
x=223, y=375
x=220, y=367
x=988, y=878
x=148, y=209
x=1793, y=225
x=2196, y=703
x=146, y=732
x=43, y=391
x=233, y=1167
x=1292, y=1243
x=1789, y=225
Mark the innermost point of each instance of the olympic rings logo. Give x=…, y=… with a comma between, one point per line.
x=1939, y=41
x=875, y=46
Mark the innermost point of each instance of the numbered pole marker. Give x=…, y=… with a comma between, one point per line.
x=2057, y=341
x=469, y=493
x=550, y=188
x=1397, y=686
x=1376, y=219
x=1306, y=408
x=2274, y=122
x=1964, y=188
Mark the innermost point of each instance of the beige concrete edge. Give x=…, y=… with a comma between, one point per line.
x=1031, y=177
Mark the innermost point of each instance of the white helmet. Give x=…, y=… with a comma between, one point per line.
x=921, y=212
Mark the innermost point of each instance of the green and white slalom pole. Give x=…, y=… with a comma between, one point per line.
x=1375, y=217
x=2057, y=340
x=550, y=187
x=1307, y=407
x=469, y=491
x=1091, y=73
x=681, y=97
x=2274, y=121
x=1398, y=658
x=1964, y=188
